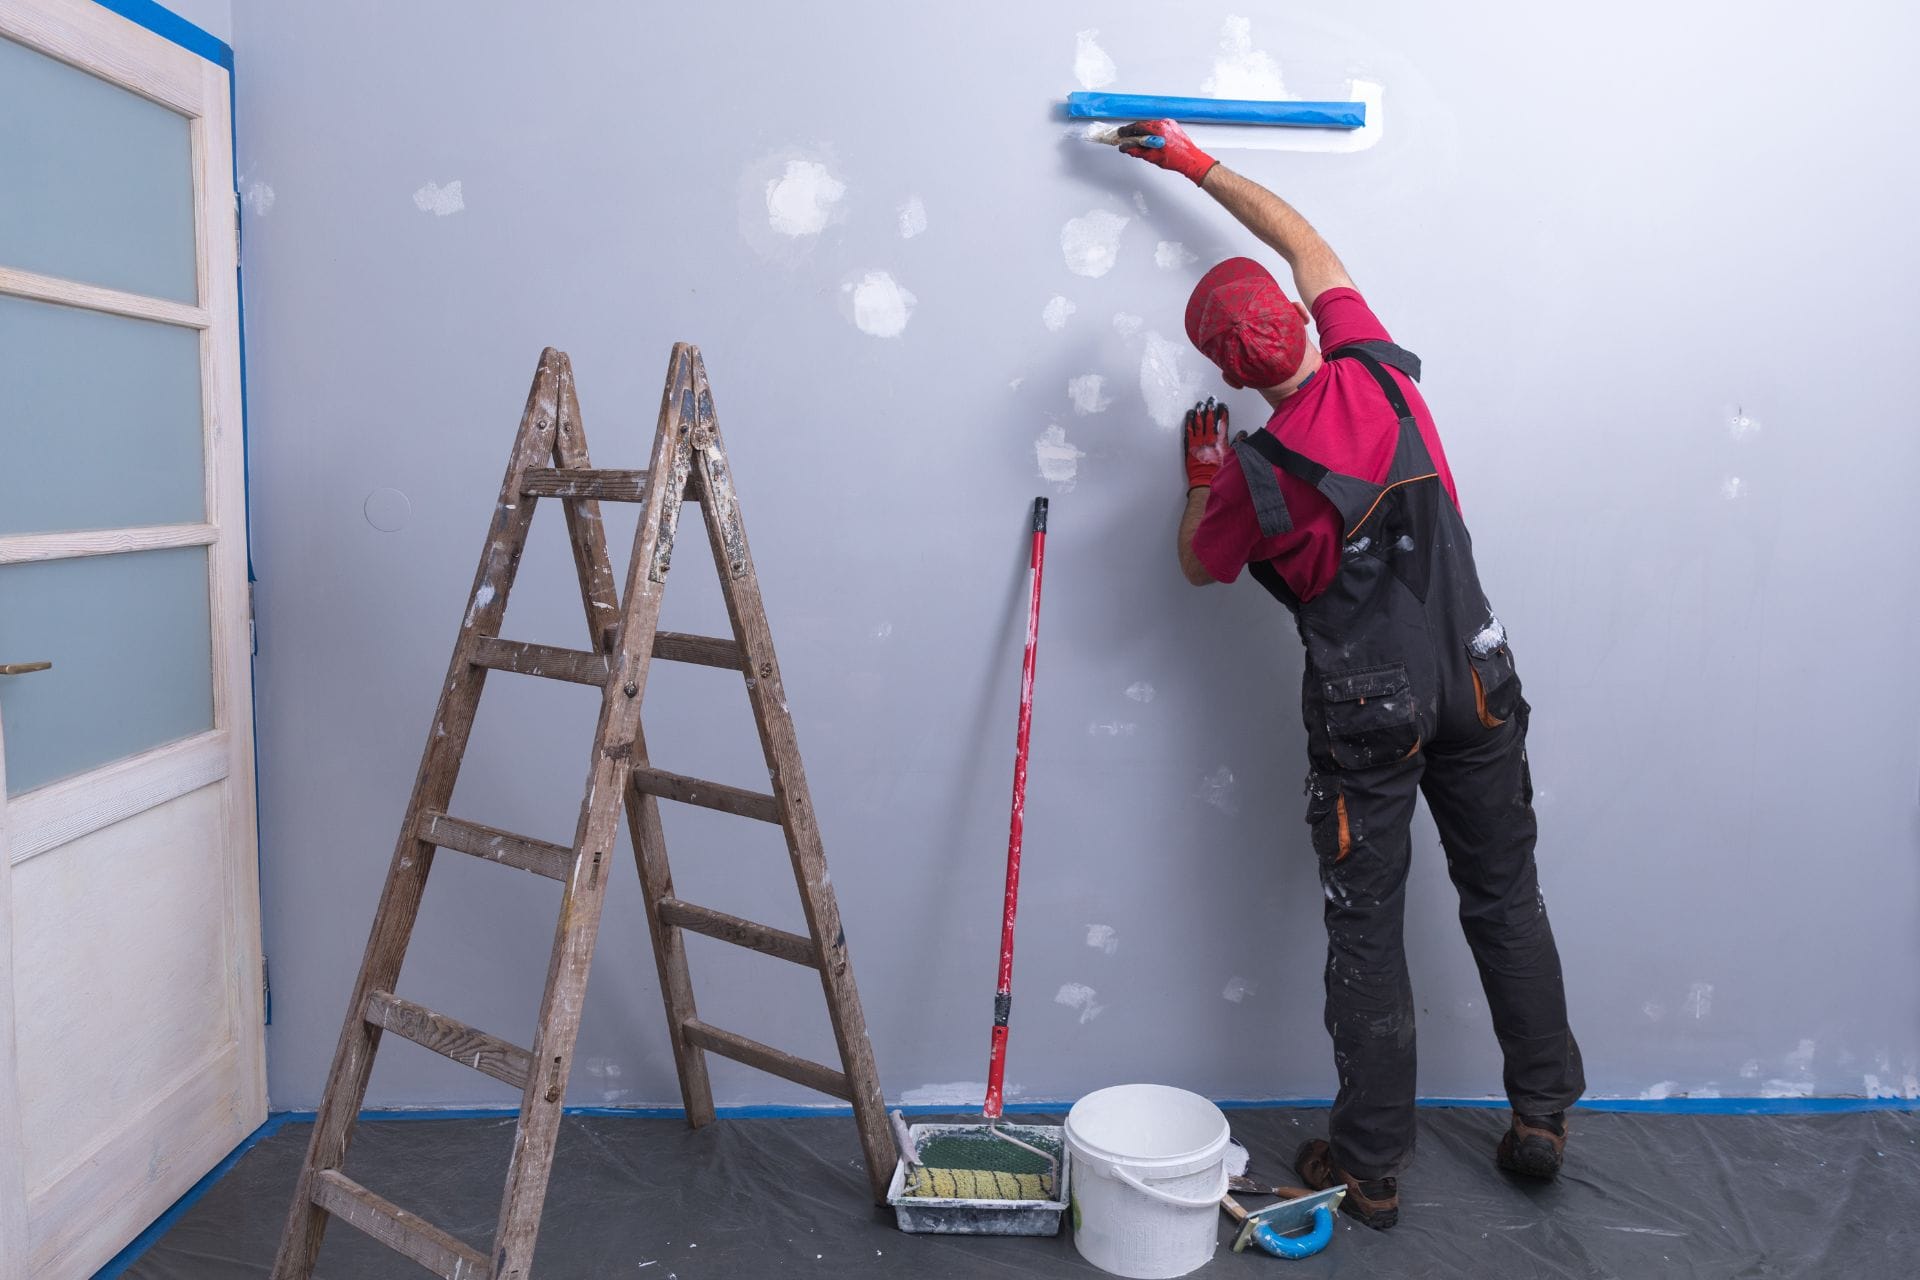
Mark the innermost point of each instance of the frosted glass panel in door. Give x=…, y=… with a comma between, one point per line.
x=99, y=420
x=130, y=642
x=96, y=183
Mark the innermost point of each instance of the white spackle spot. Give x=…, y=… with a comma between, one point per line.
x=1140, y=202
x=1126, y=324
x=1169, y=380
x=1085, y=392
x=1140, y=691
x=1662, y=1090
x=1101, y=937
x=913, y=217
x=1801, y=1059
x=1217, y=790
x=1236, y=990
x=1078, y=995
x=1056, y=313
x=1111, y=728
x=1872, y=1088
x=259, y=198
x=1488, y=639
x=1910, y=1087
x=1240, y=70
x=1704, y=1091
x=880, y=305
x=481, y=599
x=1238, y=1158
x=802, y=200
x=1013, y=384
x=438, y=200
x=1091, y=65
x=882, y=630
x=1058, y=458
x=1784, y=1089
x=1654, y=1009
x=1732, y=487
x=1750, y=1068
x=1091, y=243
x=1170, y=254
x=1740, y=425
x=1699, y=1001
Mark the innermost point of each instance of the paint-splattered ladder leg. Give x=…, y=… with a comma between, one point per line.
x=413, y=857
x=713, y=481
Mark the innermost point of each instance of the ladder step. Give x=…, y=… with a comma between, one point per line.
x=394, y=1227
x=469, y=1046
x=606, y=484
x=708, y=795
x=743, y=933
x=551, y=860
x=766, y=1058
x=708, y=651
x=576, y=665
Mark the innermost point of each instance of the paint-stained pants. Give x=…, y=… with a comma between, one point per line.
x=1481, y=796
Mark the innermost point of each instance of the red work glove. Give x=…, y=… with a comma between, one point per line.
x=1179, y=155
x=1206, y=437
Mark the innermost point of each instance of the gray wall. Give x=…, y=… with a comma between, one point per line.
x=1659, y=260
x=215, y=17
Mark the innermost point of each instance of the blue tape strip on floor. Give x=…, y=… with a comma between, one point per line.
x=169, y=25
x=164, y=1223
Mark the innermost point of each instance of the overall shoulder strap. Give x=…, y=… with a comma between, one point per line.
x=1361, y=353
x=1263, y=486
x=1385, y=352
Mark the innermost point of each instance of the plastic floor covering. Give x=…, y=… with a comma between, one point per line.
x=1643, y=1195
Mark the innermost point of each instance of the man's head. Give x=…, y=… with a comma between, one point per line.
x=1241, y=319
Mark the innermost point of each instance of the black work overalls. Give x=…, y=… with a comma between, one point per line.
x=1410, y=687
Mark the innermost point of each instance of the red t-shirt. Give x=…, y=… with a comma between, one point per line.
x=1340, y=419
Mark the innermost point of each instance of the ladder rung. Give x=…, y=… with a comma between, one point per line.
x=708, y=795
x=743, y=933
x=576, y=665
x=469, y=1046
x=543, y=859
x=394, y=1227
x=766, y=1058
x=604, y=483
x=708, y=651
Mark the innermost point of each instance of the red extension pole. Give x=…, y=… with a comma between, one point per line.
x=1003, y=993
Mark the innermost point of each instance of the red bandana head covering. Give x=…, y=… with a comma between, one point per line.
x=1242, y=320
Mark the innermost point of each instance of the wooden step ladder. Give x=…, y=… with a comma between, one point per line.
x=549, y=460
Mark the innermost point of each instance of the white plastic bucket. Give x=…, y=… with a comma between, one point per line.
x=1149, y=1169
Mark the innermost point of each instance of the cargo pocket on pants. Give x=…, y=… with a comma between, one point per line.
x=1370, y=715
x=1496, y=685
x=1327, y=816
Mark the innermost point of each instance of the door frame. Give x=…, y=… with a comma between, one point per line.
x=95, y=39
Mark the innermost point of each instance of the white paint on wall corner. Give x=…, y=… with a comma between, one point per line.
x=1170, y=255
x=1057, y=312
x=1086, y=392
x=912, y=216
x=1169, y=380
x=1092, y=67
x=1078, y=995
x=440, y=201
x=1057, y=457
x=878, y=304
x=1239, y=69
x=803, y=199
x=1101, y=937
x=258, y=197
x=1091, y=242
x=1140, y=691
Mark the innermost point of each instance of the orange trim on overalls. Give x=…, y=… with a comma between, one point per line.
x=1346, y=832
x=1487, y=720
x=1431, y=475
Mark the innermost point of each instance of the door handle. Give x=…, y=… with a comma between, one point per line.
x=22, y=668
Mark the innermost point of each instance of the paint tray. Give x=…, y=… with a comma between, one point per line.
x=959, y=1215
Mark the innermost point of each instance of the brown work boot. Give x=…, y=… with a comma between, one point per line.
x=1376, y=1201
x=1534, y=1146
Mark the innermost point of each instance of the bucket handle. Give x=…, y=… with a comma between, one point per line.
x=1167, y=1197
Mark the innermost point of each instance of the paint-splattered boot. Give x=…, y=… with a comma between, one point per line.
x=1375, y=1201
x=1534, y=1146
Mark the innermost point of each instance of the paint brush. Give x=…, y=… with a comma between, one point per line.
x=1151, y=141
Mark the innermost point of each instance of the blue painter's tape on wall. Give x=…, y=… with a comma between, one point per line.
x=1139, y=106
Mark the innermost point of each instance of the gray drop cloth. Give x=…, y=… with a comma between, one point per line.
x=1643, y=1196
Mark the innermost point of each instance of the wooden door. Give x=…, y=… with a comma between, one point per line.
x=131, y=1029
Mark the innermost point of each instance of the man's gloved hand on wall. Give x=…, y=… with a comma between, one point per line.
x=1180, y=154
x=1206, y=441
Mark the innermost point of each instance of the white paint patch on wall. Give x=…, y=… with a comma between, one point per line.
x=1699, y=1001
x=1733, y=488
x=1078, y=995
x=1140, y=202
x=1140, y=691
x=1058, y=459
x=912, y=215
x=1170, y=254
x=878, y=304
x=1169, y=380
x=1236, y=990
x=1217, y=790
x=803, y=199
x=1056, y=313
x=1101, y=937
x=1111, y=728
x=1664, y=1089
x=1239, y=69
x=1091, y=65
x=1126, y=324
x=1086, y=393
x=1091, y=243
x=440, y=201
x=259, y=198
x=1741, y=425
